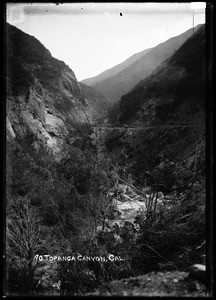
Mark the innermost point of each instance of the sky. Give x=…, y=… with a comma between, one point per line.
x=92, y=37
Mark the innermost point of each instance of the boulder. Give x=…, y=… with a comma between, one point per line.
x=130, y=193
x=198, y=271
x=122, y=188
x=160, y=195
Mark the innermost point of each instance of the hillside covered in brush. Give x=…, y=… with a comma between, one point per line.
x=177, y=85
x=116, y=85
x=115, y=70
x=165, y=111
x=101, y=204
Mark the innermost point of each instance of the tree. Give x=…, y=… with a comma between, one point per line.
x=25, y=237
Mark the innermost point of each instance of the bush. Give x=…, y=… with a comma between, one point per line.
x=172, y=230
x=25, y=237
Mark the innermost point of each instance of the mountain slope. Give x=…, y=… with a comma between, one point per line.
x=115, y=70
x=163, y=117
x=55, y=206
x=44, y=97
x=178, y=80
x=119, y=84
x=98, y=104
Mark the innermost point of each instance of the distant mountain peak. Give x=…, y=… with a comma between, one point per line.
x=119, y=80
x=116, y=69
x=179, y=80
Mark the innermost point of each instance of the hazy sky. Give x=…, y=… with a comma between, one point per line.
x=92, y=37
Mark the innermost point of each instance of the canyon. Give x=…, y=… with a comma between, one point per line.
x=112, y=165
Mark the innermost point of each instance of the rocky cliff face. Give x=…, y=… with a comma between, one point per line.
x=44, y=98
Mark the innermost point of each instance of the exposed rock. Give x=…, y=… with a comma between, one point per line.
x=198, y=271
x=160, y=284
x=127, y=210
x=44, y=97
x=9, y=128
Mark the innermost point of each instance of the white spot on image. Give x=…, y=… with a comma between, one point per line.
x=16, y=14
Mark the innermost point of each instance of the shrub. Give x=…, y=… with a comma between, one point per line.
x=25, y=237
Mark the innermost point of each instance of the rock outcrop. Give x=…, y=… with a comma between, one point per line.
x=44, y=98
x=198, y=272
x=154, y=284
